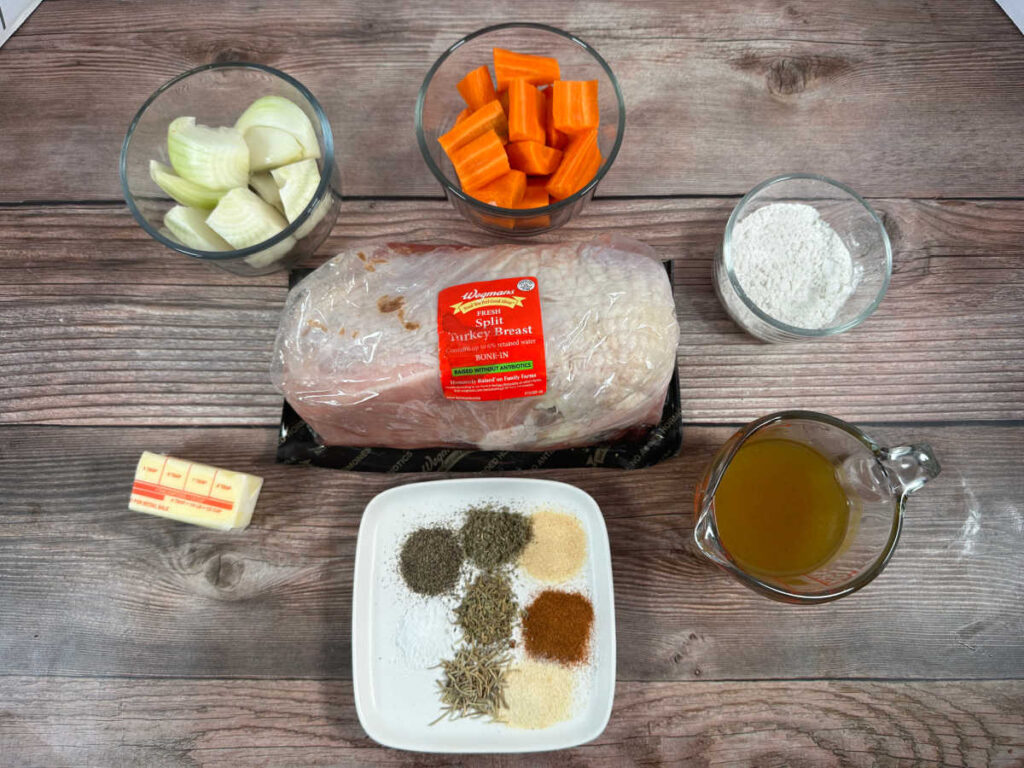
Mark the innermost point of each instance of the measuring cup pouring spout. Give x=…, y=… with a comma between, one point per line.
x=706, y=539
x=872, y=484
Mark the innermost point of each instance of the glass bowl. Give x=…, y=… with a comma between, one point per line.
x=216, y=95
x=439, y=103
x=852, y=219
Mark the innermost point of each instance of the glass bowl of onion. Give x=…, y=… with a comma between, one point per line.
x=232, y=164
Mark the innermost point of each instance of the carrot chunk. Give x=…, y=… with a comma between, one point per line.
x=506, y=191
x=533, y=157
x=536, y=70
x=581, y=161
x=536, y=193
x=533, y=222
x=480, y=161
x=536, y=197
x=503, y=98
x=574, y=105
x=477, y=89
x=463, y=115
x=488, y=117
x=553, y=137
x=505, y=222
x=524, y=112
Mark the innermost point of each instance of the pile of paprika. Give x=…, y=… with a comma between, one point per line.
x=556, y=626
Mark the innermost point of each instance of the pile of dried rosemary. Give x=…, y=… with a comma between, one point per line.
x=474, y=683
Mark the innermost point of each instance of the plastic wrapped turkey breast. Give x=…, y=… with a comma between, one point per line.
x=359, y=355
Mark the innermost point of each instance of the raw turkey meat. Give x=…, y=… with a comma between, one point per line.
x=357, y=348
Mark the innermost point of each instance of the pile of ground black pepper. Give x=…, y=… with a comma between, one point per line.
x=431, y=560
x=494, y=537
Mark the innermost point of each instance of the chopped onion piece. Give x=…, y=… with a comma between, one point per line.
x=244, y=219
x=266, y=187
x=216, y=158
x=268, y=256
x=271, y=147
x=188, y=225
x=169, y=235
x=279, y=112
x=298, y=183
x=182, y=190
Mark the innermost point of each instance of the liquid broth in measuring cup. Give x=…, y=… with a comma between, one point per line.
x=780, y=509
x=805, y=508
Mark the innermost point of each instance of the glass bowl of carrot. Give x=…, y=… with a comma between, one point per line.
x=519, y=123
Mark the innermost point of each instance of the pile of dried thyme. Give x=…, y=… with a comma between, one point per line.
x=494, y=537
x=488, y=611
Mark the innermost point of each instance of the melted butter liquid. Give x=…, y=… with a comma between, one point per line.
x=779, y=509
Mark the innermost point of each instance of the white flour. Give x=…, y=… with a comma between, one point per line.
x=792, y=264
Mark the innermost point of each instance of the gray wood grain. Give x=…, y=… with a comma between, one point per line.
x=65, y=722
x=101, y=325
x=91, y=588
x=903, y=99
x=207, y=649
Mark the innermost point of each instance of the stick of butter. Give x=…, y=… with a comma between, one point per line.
x=194, y=493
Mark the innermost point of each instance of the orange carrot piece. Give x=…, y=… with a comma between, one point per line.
x=536, y=70
x=505, y=222
x=590, y=169
x=541, y=106
x=581, y=161
x=477, y=89
x=503, y=98
x=524, y=114
x=536, y=197
x=536, y=194
x=481, y=161
x=594, y=163
x=506, y=191
x=489, y=117
x=463, y=115
x=553, y=137
x=533, y=157
x=533, y=222
x=574, y=105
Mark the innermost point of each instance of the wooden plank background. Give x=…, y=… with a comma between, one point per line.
x=70, y=722
x=128, y=640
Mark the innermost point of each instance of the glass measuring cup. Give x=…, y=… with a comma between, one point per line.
x=875, y=480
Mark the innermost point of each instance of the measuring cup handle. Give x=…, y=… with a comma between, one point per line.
x=910, y=466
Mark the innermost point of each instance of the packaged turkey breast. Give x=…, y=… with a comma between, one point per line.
x=500, y=350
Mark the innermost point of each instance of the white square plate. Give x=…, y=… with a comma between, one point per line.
x=395, y=704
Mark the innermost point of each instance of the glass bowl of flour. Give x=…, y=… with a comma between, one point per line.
x=803, y=257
